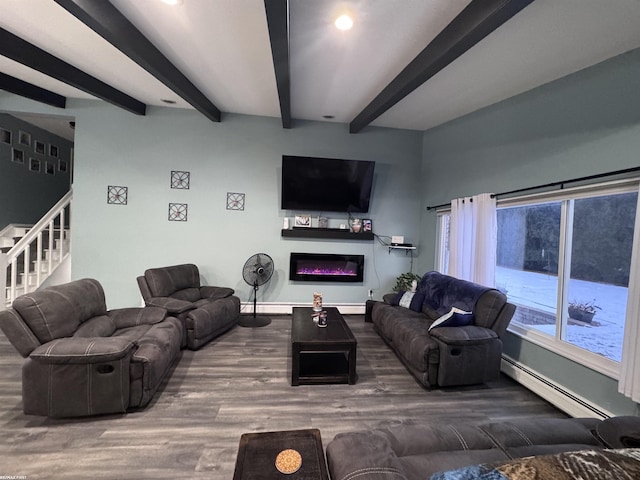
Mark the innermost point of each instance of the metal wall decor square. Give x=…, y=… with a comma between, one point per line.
x=178, y=212
x=180, y=179
x=117, y=195
x=235, y=201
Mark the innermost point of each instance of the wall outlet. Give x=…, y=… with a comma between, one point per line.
x=397, y=239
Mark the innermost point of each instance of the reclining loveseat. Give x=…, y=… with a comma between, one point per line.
x=205, y=311
x=412, y=452
x=84, y=360
x=465, y=348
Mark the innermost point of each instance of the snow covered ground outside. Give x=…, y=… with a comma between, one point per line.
x=538, y=290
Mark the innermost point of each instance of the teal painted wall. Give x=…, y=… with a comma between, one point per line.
x=116, y=243
x=18, y=204
x=584, y=124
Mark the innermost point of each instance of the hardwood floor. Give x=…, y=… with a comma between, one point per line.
x=236, y=384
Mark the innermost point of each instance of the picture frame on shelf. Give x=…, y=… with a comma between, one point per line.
x=302, y=221
x=24, y=138
x=323, y=222
x=39, y=147
x=367, y=225
x=5, y=135
x=17, y=155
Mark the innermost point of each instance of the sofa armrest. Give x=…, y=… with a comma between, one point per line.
x=83, y=350
x=132, y=317
x=467, y=335
x=366, y=455
x=172, y=305
x=215, y=293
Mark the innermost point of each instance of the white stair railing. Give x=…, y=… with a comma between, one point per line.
x=54, y=253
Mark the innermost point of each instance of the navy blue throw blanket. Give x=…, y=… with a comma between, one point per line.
x=441, y=292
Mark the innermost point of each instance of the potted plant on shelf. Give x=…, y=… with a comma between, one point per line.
x=404, y=281
x=582, y=310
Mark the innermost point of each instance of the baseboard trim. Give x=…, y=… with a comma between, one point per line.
x=566, y=400
x=285, y=308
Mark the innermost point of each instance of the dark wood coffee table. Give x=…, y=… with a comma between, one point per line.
x=321, y=354
x=258, y=451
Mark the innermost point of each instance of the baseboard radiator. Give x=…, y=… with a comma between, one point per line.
x=565, y=400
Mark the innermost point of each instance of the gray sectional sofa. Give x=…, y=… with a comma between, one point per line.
x=413, y=452
x=84, y=360
x=465, y=354
x=205, y=311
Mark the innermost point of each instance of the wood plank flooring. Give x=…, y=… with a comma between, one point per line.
x=236, y=384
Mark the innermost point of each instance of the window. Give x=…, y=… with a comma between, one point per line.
x=564, y=259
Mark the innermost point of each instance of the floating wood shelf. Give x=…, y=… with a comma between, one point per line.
x=327, y=233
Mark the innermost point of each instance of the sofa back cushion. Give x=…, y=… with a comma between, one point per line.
x=442, y=292
x=165, y=281
x=58, y=311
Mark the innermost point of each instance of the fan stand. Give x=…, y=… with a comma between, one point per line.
x=250, y=322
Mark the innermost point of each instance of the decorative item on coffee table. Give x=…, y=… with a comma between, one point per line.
x=317, y=301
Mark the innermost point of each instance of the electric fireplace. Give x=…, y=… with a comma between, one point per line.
x=323, y=267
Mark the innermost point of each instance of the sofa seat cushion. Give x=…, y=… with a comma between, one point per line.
x=188, y=294
x=133, y=334
x=468, y=335
x=386, y=317
x=100, y=326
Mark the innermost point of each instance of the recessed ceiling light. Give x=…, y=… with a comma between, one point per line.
x=344, y=22
x=168, y=101
x=172, y=2
x=328, y=117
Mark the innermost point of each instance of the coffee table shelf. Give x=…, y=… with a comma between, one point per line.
x=321, y=355
x=324, y=367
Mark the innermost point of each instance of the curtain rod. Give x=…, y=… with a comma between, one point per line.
x=553, y=184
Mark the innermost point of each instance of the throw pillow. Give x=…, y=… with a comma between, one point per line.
x=454, y=318
x=410, y=300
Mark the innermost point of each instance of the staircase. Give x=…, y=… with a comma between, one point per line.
x=29, y=254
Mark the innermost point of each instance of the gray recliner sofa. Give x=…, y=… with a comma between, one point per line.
x=413, y=452
x=205, y=311
x=446, y=355
x=84, y=360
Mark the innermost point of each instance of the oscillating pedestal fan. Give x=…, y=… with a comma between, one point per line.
x=257, y=271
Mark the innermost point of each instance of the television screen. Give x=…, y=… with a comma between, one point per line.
x=326, y=184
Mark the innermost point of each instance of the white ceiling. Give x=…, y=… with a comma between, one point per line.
x=223, y=48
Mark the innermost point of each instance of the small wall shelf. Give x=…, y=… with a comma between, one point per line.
x=327, y=233
x=398, y=247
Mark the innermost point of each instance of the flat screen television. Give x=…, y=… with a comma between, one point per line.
x=326, y=184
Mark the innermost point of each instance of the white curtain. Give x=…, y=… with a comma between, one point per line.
x=473, y=239
x=629, y=383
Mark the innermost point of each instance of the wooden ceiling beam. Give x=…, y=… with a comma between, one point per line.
x=107, y=21
x=28, y=90
x=479, y=19
x=21, y=51
x=278, y=22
